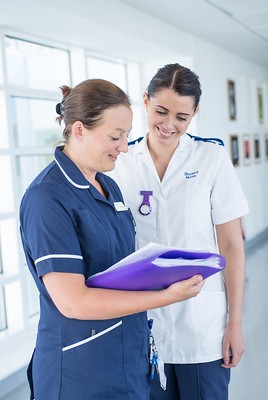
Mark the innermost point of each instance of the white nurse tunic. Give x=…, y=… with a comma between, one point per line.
x=200, y=189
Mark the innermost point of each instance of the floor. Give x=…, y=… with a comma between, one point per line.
x=250, y=378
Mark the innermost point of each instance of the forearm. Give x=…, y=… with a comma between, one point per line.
x=106, y=304
x=234, y=275
x=75, y=300
x=231, y=246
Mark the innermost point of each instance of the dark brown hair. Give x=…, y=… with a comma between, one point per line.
x=87, y=102
x=178, y=78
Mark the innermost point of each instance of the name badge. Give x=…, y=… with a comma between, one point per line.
x=119, y=206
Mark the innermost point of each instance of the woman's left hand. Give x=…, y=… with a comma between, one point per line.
x=233, y=346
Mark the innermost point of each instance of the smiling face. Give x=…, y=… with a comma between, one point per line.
x=96, y=150
x=169, y=115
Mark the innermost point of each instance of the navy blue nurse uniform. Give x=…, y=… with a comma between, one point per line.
x=67, y=226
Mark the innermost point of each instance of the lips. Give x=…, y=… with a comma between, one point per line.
x=113, y=157
x=165, y=133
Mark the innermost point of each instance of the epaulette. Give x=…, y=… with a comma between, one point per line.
x=135, y=141
x=210, y=140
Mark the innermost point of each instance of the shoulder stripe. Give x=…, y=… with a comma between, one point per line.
x=218, y=141
x=135, y=141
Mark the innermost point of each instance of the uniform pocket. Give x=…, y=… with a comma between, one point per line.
x=93, y=367
x=91, y=338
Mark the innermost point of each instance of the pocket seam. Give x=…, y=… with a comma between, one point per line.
x=89, y=339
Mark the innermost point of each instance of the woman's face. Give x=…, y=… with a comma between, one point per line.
x=169, y=114
x=100, y=146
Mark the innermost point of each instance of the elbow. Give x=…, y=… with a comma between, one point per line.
x=69, y=312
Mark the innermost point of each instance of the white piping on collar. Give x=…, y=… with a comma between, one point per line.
x=70, y=180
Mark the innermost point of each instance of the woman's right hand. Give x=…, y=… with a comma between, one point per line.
x=186, y=289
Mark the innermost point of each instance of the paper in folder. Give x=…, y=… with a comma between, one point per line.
x=155, y=267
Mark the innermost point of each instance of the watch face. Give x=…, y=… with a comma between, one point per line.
x=145, y=209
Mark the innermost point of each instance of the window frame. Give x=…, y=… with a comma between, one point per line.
x=78, y=72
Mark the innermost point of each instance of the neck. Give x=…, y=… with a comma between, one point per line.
x=89, y=175
x=161, y=154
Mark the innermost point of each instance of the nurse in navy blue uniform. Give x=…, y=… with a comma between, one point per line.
x=91, y=343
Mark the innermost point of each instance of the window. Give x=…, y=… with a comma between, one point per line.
x=7, y=198
x=3, y=319
x=4, y=139
x=33, y=122
x=29, y=92
x=126, y=75
x=114, y=71
x=34, y=74
x=35, y=65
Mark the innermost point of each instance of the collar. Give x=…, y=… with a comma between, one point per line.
x=185, y=142
x=70, y=171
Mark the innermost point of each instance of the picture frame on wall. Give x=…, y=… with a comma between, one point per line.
x=231, y=99
x=266, y=146
x=257, y=147
x=246, y=149
x=234, y=149
x=260, y=105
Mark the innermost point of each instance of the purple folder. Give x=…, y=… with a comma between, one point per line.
x=157, y=268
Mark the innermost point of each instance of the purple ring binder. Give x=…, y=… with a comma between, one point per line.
x=157, y=268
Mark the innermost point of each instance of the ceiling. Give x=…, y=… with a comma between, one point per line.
x=239, y=26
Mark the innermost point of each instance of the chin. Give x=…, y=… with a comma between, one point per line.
x=109, y=168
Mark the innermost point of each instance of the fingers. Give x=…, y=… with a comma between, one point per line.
x=231, y=359
x=196, y=279
x=186, y=289
x=196, y=283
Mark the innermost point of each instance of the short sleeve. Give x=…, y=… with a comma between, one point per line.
x=48, y=232
x=228, y=201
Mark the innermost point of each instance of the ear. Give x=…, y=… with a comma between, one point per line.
x=145, y=100
x=77, y=130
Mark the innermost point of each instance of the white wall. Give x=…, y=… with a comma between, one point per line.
x=215, y=66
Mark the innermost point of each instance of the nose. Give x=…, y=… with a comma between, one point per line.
x=123, y=145
x=170, y=122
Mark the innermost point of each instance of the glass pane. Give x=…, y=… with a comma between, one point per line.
x=33, y=122
x=135, y=90
x=138, y=124
x=1, y=62
x=109, y=70
x=3, y=319
x=6, y=198
x=9, y=247
x=32, y=297
x=28, y=167
x=4, y=141
x=1, y=263
x=36, y=66
x=14, y=306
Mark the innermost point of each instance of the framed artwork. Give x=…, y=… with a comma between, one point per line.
x=246, y=149
x=266, y=146
x=260, y=105
x=234, y=149
x=231, y=100
x=257, y=147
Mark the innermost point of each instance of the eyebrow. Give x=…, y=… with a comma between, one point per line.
x=164, y=108
x=122, y=130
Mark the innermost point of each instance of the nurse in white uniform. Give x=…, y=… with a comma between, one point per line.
x=183, y=191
